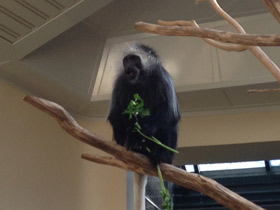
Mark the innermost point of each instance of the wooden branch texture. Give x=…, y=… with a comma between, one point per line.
x=220, y=45
x=274, y=8
x=136, y=162
x=239, y=41
x=228, y=37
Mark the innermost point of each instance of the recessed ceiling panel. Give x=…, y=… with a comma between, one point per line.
x=188, y=60
x=20, y=17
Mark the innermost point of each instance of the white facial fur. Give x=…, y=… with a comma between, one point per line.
x=148, y=60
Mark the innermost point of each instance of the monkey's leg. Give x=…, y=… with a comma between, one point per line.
x=140, y=182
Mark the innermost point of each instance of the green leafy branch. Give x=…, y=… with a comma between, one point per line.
x=165, y=194
x=153, y=139
x=135, y=108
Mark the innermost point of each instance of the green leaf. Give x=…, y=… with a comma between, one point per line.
x=136, y=107
x=145, y=113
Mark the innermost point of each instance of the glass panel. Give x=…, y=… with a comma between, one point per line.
x=275, y=162
x=189, y=168
x=231, y=166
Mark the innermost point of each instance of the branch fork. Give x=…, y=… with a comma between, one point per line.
x=224, y=40
x=132, y=161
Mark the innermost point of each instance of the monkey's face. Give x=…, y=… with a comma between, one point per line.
x=132, y=67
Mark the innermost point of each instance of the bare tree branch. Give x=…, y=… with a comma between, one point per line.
x=255, y=50
x=224, y=36
x=111, y=161
x=67, y=122
x=139, y=163
x=274, y=8
x=220, y=45
x=252, y=41
x=266, y=90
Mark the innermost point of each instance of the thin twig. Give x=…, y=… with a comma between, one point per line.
x=255, y=50
x=266, y=90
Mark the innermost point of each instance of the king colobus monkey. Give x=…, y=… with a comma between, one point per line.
x=142, y=73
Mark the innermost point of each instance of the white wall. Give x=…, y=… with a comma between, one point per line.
x=40, y=164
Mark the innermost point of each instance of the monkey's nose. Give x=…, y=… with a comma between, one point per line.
x=131, y=74
x=131, y=60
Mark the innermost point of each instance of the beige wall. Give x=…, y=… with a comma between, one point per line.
x=238, y=128
x=40, y=164
x=41, y=168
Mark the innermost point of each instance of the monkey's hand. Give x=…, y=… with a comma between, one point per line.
x=134, y=141
x=154, y=158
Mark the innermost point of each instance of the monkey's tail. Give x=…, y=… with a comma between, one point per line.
x=140, y=182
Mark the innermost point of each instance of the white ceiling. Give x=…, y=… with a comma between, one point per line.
x=53, y=48
x=118, y=17
x=22, y=17
x=28, y=24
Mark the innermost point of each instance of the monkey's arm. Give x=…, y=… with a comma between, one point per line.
x=115, y=118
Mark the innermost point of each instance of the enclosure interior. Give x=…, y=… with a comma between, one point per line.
x=67, y=52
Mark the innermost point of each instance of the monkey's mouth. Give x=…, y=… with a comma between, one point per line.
x=132, y=73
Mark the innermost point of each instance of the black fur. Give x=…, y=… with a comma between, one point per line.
x=143, y=73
